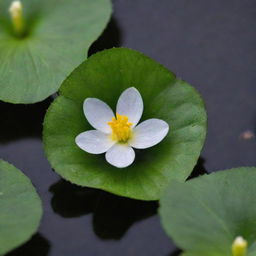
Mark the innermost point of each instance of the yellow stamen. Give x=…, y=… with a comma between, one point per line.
x=16, y=12
x=239, y=247
x=121, y=128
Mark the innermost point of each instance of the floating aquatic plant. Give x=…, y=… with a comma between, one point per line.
x=41, y=42
x=106, y=75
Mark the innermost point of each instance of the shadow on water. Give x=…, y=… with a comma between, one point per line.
x=20, y=121
x=110, y=38
x=199, y=169
x=71, y=201
x=36, y=246
x=112, y=215
x=175, y=253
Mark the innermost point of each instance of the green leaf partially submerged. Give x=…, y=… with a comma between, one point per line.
x=20, y=208
x=105, y=76
x=204, y=215
x=59, y=34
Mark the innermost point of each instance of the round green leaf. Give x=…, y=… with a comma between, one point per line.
x=20, y=210
x=106, y=75
x=59, y=34
x=205, y=215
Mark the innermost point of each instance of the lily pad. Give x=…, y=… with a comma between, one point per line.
x=58, y=36
x=106, y=75
x=20, y=210
x=204, y=215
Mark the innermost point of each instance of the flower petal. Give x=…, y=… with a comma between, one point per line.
x=130, y=104
x=98, y=114
x=149, y=133
x=120, y=155
x=94, y=142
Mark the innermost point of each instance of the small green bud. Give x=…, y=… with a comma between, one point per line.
x=16, y=13
x=239, y=247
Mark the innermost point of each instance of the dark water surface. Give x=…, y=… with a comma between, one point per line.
x=210, y=44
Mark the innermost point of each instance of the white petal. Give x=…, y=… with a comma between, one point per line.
x=149, y=133
x=94, y=142
x=130, y=104
x=98, y=114
x=120, y=155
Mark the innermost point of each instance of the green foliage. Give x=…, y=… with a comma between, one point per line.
x=20, y=210
x=205, y=215
x=105, y=76
x=58, y=36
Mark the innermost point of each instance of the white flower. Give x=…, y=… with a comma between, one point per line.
x=118, y=135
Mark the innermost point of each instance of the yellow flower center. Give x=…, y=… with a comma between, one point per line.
x=121, y=128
